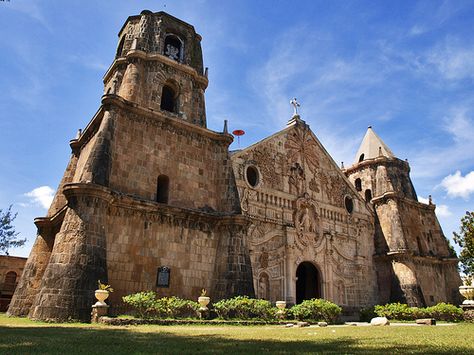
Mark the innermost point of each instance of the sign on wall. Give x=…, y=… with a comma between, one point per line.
x=163, y=277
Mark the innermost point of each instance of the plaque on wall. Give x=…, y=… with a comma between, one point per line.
x=163, y=277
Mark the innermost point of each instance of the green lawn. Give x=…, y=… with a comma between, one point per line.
x=22, y=336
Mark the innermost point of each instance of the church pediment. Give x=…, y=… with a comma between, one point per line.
x=295, y=163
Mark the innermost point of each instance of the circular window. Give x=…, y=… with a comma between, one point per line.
x=349, y=204
x=252, y=176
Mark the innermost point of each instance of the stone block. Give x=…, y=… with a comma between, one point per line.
x=379, y=321
x=426, y=321
x=98, y=311
x=322, y=324
x=302, y=324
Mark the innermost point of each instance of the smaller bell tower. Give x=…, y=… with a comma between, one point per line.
x=407, y=231
x=158, y=65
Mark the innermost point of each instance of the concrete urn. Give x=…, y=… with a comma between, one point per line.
x=101, y=296
x=203, y=301
x=468, y=293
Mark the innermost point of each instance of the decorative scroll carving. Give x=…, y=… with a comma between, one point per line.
x=333, y=186
x=269, y=163
x=247, y=195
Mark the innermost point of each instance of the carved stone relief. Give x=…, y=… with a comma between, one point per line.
x=306, y=221
x=302, y=148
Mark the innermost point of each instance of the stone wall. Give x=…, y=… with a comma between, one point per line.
x=195, y=162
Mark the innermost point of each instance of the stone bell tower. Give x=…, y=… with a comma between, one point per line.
x=413, y=261
x=159, y=65
x=148, y=200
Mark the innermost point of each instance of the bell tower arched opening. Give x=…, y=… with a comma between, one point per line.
x=308, y=282
x=174, y=47
x=169, y=99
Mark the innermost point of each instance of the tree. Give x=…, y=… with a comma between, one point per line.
x=465, y=239
x=8, y=235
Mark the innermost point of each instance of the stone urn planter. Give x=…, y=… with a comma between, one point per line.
x=204, y=301
x=468, y=293
x=101, y=296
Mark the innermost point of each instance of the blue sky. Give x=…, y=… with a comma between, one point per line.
x=404, y=67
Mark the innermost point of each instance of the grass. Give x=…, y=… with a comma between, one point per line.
x=23, y=336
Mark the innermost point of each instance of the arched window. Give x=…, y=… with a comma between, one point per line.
x=368, y=195
x=361, y=157
x=174, y=48
x=162, y=189
x=168, y=99
x=10, y=280
x=358, y=184
x=349, y=204
x=120, y=47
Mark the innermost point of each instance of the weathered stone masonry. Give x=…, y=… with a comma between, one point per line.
x=148, y=187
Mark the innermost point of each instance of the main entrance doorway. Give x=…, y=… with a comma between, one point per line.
x=308, y=282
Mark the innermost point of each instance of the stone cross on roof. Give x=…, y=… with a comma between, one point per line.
x=295, y=106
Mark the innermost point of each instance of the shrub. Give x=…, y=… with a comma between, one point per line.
x=316, y=310
x=399, y=311
x=242, y=307
x=175, y=307
x=366, y=314
x=446, y=312
x=142, y=302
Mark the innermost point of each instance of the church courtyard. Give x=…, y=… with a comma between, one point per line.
x=23, y=336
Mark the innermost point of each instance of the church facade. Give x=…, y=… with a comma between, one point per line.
x=153, y=200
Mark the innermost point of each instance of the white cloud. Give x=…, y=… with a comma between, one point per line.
x=441, y=159
x=459, y=125
x=42, y=195
x=423, y=200
x=457, y=185
x=417, y=30
x=443, y=211
x=453, y=61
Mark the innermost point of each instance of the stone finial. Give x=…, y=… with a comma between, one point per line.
x=430, y=200
x=380, y=151
x=79, y=132
x=206, y=72
x=342, y=165
x=225, y=127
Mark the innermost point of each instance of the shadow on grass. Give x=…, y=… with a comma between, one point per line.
x=52, y=340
